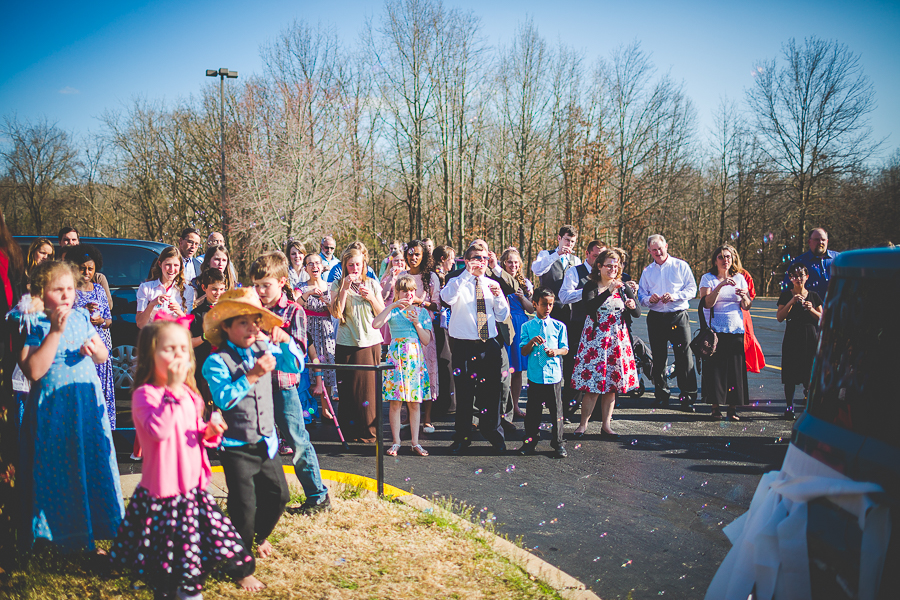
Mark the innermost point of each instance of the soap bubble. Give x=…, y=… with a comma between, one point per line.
x=560, y=506
x=542, y=523
x=478, y=471
x=510, y=468
x=667, y=426
x=457, y=371
x=604, y=534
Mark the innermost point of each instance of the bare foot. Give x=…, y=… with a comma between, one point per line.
x=251, y=583
x=264, y=550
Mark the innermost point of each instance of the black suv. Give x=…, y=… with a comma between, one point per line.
x=126, y=264
x=852, y=421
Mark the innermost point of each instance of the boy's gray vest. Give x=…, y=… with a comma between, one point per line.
x=254, y=416
x=553, y=280
x=578, y=311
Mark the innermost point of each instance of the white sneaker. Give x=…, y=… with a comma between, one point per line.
x=428, y=429
x=136, y=458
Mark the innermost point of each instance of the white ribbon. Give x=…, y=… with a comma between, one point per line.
x=769, y=540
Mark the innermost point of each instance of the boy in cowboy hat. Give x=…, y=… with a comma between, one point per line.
x=239, y=373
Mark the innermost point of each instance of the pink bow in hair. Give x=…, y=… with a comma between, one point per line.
x=184, y=321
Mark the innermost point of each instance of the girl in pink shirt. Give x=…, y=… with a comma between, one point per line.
x=174, y=533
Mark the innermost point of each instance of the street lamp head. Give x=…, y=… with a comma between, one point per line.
x=232, y=74
x=223, y=71
x=211, y=73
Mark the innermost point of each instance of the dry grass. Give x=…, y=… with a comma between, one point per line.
x=364, y=548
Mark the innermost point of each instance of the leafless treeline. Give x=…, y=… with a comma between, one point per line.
x=423, y=129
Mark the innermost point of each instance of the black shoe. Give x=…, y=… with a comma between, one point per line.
x=527, y=449
x=789, y=414
x=499, y=449
x=608, y=436
x=308, y=508
x=560, y=452
x=509, y=430
x=687, y=407
x=659, y=402
x=458, y=448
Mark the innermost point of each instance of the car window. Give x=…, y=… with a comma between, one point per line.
x=857, y=365
x=126, y=265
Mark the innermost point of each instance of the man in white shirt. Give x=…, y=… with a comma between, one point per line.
x=666, y=285
x=188, y=244
x=477, y=305
x=550, y=267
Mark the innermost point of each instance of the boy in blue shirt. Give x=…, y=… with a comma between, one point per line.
x=544, y=341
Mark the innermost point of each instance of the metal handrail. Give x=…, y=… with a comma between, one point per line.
x=379, y=403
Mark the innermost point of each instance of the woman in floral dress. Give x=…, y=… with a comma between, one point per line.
x=92, y=297
x=604, y=364
x=314, y=297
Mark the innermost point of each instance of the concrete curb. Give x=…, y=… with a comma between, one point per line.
x=564, y=584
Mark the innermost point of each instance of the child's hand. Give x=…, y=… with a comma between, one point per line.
x=402, y=304
x=176, y=373
x=412, y=315
x=88, y=349
x=318, y=389
x=550, y=351
x=536, y=340
x=323, y=410
x=216, y=426
x=265, y=364
x=280, y=336
x=58, y=319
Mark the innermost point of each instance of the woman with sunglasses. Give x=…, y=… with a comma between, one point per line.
x=725, y=291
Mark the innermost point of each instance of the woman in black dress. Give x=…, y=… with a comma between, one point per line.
x=802, y=309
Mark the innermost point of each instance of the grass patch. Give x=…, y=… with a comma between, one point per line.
x=364, y=548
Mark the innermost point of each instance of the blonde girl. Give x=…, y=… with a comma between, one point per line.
x=69, y=477
x=174, y=533
x=408, y=382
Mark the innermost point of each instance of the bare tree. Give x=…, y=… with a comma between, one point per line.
x=39, y=161
x=812, y=114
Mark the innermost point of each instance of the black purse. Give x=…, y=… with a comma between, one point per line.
x=704, y=343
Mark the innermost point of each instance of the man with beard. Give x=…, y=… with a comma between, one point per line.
x=817, y=261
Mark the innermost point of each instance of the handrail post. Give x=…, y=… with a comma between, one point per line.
x=379, y=441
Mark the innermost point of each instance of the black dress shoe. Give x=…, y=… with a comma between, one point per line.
x=560, y=452
x=499, y=449
x=457, y=448
x=608, y=436
x=527, y=449
x=662, y=402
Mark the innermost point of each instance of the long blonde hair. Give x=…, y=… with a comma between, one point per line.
x=519, y=277
x=345, y=258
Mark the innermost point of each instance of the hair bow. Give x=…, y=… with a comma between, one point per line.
x=184, y=321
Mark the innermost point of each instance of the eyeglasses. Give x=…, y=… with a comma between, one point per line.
x=327, y=247
x=477, y=259
x=612, y=266
x=723, y=257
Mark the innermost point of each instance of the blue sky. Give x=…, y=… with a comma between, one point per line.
x=71, y=61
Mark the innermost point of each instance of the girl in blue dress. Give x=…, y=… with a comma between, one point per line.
x=69, y=476
x=519, y=307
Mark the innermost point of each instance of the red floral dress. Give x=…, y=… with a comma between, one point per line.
x=605, y=361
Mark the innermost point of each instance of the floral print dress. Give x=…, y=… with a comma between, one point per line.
x=104, y=370
x=409, y=381
x=605, y=361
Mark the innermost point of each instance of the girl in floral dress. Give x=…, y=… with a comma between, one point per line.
x=92, y=297
x=604, y=364
x=408, y=382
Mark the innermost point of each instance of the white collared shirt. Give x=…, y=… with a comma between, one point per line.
x=459, y=293
x=673, y=277
x=545, y=260
x=150, y=290
x=568, y=294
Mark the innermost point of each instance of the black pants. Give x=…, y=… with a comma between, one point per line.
x=540, y=395
x=476, y=371
x=257, y=490
x=676, y=328
x=570, y=394
x=724, y=372
x=446, y=402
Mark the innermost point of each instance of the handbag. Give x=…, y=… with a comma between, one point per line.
x=704, y=343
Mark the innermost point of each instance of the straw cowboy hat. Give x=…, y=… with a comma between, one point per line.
x=236, y=303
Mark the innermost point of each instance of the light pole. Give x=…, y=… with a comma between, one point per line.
x=222, y=74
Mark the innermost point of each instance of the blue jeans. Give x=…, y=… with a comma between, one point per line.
x=289, y=417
